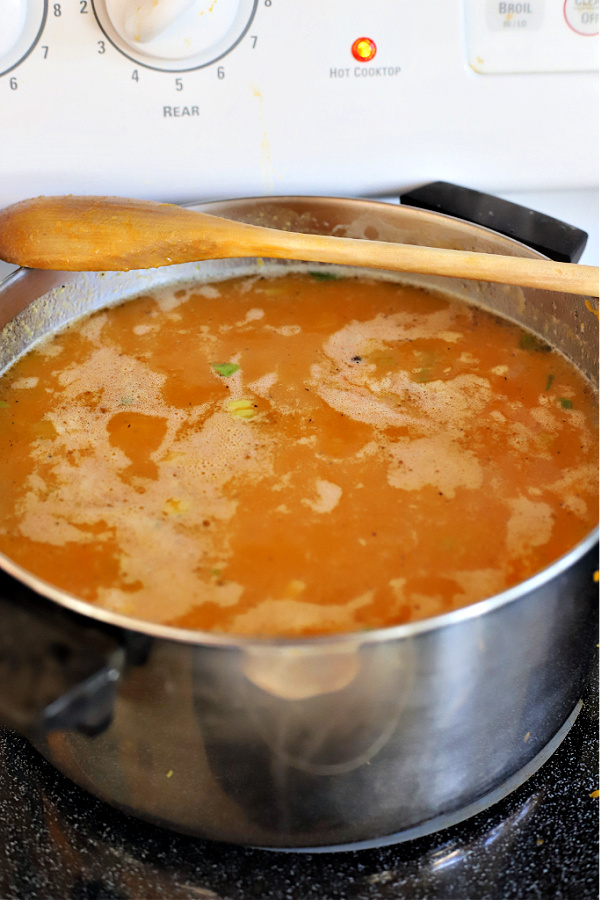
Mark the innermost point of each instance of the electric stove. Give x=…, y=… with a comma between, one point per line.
x=345, y=98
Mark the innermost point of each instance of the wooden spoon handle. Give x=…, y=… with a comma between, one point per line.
x=116, y=234
x=517, y=270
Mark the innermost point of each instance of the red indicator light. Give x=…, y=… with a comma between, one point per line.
x=364, y=49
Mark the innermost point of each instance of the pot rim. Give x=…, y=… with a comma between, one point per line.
x=223, y=640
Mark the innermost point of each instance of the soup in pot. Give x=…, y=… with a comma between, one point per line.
x=293, y=455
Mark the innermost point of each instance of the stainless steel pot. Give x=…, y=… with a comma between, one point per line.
x=318, y=742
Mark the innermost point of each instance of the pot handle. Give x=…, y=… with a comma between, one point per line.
x=553, y=238
x=58, y=670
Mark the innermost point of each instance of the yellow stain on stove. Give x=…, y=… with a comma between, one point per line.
x=210, y=8
x=266, y=164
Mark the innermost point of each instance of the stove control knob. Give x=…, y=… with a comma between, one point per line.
x=21, y=23
x=175, y=34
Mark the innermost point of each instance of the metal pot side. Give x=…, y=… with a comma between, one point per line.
x=328, y=742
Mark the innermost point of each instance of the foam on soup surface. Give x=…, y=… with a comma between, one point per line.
x=293, y=456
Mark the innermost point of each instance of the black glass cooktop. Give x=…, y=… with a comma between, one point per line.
x=57, y=841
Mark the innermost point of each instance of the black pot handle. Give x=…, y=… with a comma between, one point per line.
x=58, y=670
x=553, y=238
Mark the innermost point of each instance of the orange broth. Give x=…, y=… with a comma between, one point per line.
x=293, y=456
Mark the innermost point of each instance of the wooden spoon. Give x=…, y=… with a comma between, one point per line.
x=113, y=233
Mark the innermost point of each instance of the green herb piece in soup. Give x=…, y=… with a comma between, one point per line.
x=565, y=403
x=324, y=276
x=550, y=382
x=225, y=369
x=529, y=341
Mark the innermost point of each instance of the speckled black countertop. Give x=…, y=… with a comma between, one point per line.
x=57, y=841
